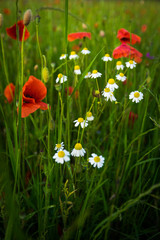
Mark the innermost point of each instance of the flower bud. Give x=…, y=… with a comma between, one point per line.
x=27, y=17
x=1, y=20
x=45, y=74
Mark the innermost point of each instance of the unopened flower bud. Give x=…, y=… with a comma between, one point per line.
x=45, y=74
x=27, y=17
x=35, y=67
x=1, y=20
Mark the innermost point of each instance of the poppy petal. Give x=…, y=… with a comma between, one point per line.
x=28, y=108
x=124, y=36
x=43, y=106
x=9, y=92
x=34, y=88
x=78, y=35
x=28, y=99
x=12, y=32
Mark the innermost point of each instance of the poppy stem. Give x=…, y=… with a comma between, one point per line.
x=39, y=49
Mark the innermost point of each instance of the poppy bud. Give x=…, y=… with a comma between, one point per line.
x=1, y=20
x=45, y=74
x=35, y=67
x=27, y=17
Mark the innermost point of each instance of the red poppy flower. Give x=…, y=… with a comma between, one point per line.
x=132, y=117
x=70, y=90
x=144, y=28
x=12, y=32
x=78, y=35
x=33, y=92
x=6, y=11
x=124, y=36
x=9, y=92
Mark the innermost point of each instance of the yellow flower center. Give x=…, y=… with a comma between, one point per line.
x=121, y=75
x=58, y=145
x=62, y=55
x=97, y=159
x=131, y=62
x=85, y=48
x=136, y=94
x=119, y=63
x=97, y=92
x=73, y=53
x=94, y=71
x=76, y=67
x=61, y=154
x=80, y=120
x=107, y=55
x=78, y=146
x=107, y=90
x=89, y=114
x=60, y=75
x=111, y=81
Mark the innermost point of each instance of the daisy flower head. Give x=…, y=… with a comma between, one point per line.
x=61, y=78
x=108, y=95
x=96, y=161
x=121, y=77
x=95, y=74
x=88, y=75
x=131, y=64
x=62, y=156
x=78, y=151
x=111, y=84
x=136, y=96
x=73, y=55
x=63, y=56
x=89, y=116
x=81, y=121
x=119, y=65
x=106, y=58
x=59, y=146
x=77, y=70
x=85, y=51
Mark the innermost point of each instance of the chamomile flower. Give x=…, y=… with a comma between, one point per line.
x=106, y=58
x=61, y=78
x=78, y=151
x=62, y=156
x=131, y=64
x=96, y=161
x=81, y=121
x=89, y=116
x=111, y=84
x=77, y=70
x=136, y=96
x=63, y=56
x=95, y=74
x=108, y=95
x=73, y=55
x=119, y=65
x=85, y=51
x=59, y=146
x=121, y=77
x=88, y=75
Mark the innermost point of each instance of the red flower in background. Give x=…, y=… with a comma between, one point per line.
x=33, y=92
x=12, y=32
x=125, y=37
x=6, y=11
x=132, y=117
x=78, y=35
x=9, y=92
x=144, y=28
x=70, y=90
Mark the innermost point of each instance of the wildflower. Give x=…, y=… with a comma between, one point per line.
x=125, y=50
x=70, y=90
x=62, y=156
x=131, y=64
x=61, y=78
x=59, y=146
x=9, y=92
x=119, y=65
x=89, y=116
x=82, y=122
x=108, y=95
x=36, y=67
x=121, y=77
x=149, y=56
x=85, y=51
x=88, y=75
x=96, y=25
x=95, y=74
x=73, y=55
x=111, y=84
x=78, y=35
x=84, y=26
x=63, y=56
x=106, y=58
x=45, y=74
x=33, y=92
x=76, y=47
x=132, y=117
x=96, y=93
x=136, y=96
x=102, y=33
x=27, y=17
x=78, y=151
x=12, y=32
x=1, y=20
x=77, y=70
x=96, y=161
x=125, y=37
x=144, y=28
x=6, y=11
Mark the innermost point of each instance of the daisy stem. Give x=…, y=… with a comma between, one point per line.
x=97, y=84
x=60, y=130
x=78, y=133
x=106, y=69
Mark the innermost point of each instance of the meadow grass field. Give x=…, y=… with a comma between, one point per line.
x=80, y=120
